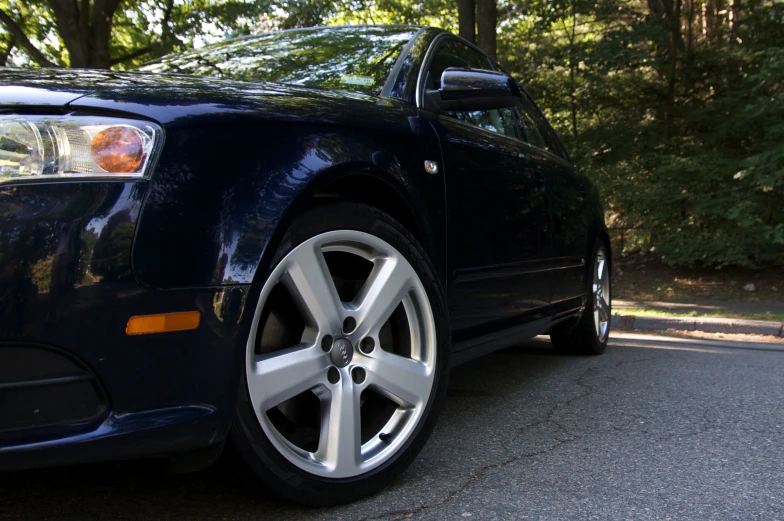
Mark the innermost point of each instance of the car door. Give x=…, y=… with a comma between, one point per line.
x=497, y=213
x=566, y=193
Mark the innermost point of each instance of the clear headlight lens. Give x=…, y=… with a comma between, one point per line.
x=34, y=147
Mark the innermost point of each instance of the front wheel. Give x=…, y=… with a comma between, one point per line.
x=346, y=364
x=590, y=335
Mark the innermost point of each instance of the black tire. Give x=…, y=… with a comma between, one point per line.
x=287, y=480
x=583, y=338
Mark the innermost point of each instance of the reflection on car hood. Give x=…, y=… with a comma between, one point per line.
x=171, y=94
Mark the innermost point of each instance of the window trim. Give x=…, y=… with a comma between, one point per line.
x=420, y=91
x=521, y=136
x=563, y=156
x=394, y=76
x=426, y=62
x=521, y=126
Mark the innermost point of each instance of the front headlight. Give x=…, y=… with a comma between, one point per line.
x=62, y=147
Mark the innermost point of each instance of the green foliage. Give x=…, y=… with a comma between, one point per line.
x=36, y=21
x=143, y=23
x=434, y=13
x=700, y=172
x=140, y=29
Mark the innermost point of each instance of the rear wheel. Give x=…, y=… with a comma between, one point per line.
x=346, y=362
x=590, y=335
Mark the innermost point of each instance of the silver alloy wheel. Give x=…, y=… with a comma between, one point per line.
x=330, y=373
x=601, y=295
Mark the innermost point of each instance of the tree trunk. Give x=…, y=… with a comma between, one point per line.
x=466, y=19
x=5, y=53
x=486, y=20
x=101, y=25
x=735, y=70
x=711, y=20
x=690, y=39
x=86, y=31
x=573, y=72
x=69, y=27
x=673, y=9
x=657, y=10
x=690, y=85
x=736, y=10
x=85, y=27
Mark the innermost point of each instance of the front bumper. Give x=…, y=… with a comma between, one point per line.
x=80, y=389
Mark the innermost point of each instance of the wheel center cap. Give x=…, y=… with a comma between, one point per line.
x=342, y=352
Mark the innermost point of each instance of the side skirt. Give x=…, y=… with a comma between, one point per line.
x=467, y=351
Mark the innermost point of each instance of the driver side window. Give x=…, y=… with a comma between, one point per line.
x=454, y=53
x=535, y=129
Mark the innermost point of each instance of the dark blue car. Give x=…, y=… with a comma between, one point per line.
x=283, y=241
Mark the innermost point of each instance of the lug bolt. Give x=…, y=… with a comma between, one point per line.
x=333, y=375
x=326, y=343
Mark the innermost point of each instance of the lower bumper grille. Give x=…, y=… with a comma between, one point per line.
x=43, y=389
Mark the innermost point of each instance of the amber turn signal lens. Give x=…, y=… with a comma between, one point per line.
x=165, y=322
x=118, y=150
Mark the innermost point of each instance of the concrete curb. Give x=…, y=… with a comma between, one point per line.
x=707, y=325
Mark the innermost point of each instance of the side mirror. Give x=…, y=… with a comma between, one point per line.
x=472, y=89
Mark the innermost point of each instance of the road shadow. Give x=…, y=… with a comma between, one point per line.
x=144, y=489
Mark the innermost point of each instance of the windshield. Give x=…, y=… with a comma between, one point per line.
x=355, y=58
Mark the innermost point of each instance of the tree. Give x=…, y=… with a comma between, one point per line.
x=105, y=33
x=28, y=22
x=466, y=19
x=486, y=22
x=673, y=107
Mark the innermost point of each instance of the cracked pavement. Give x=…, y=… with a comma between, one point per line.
x=657, y=428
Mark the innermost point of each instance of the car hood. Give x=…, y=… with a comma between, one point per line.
x=170, y=97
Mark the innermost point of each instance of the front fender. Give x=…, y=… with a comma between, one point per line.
x=223, y=194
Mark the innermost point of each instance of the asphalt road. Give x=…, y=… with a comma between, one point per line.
x=658, y=428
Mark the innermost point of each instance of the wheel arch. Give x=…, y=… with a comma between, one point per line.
x=390, y=190
x=605, y=236
x=597, y=233
x=373, y=190
x=204, y=223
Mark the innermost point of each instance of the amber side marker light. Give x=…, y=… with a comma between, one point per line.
x=163, y=323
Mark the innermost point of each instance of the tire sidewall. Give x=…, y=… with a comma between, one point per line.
x=250, y=439
x=599, y=345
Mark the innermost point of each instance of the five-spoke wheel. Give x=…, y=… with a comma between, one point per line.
x=343, y=359
x=342, y=354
